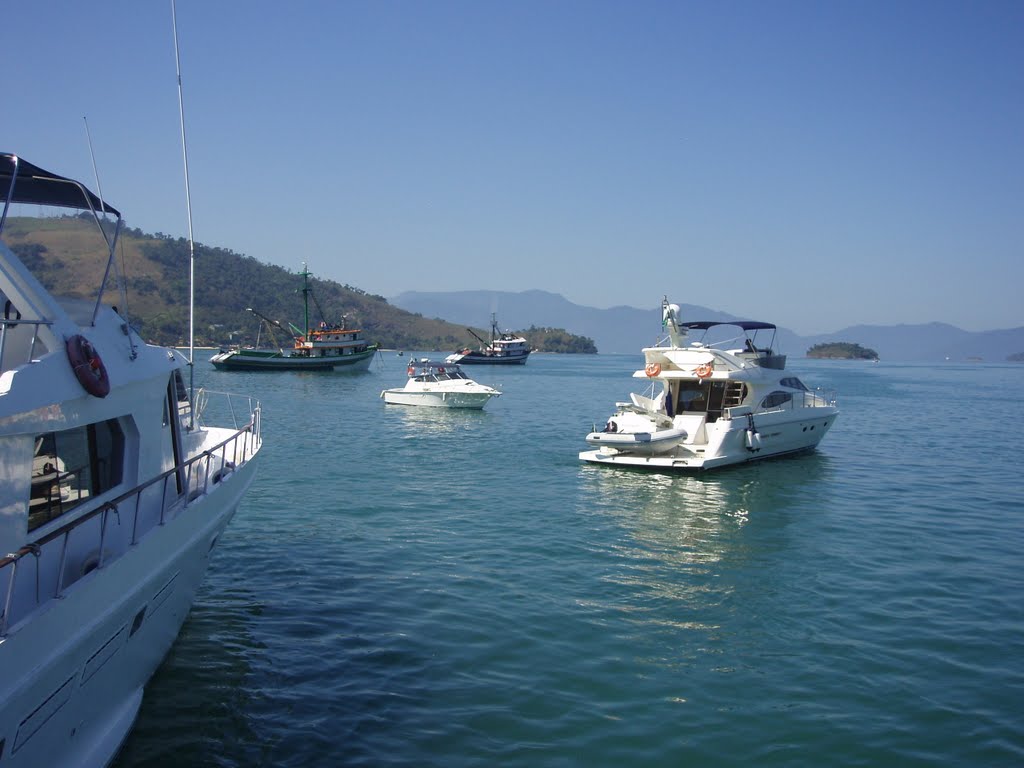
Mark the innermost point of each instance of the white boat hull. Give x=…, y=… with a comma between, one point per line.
x=73, y=703
x=438, y=399
x=729, y=442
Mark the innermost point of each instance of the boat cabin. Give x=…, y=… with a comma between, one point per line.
x=432, y=370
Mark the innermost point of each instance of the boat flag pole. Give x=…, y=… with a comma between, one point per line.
x=191, y=241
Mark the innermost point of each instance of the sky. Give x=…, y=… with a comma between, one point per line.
x=813, y=164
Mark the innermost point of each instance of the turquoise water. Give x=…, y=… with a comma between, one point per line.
x=409, y=587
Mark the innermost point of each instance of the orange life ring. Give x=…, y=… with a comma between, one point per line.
x=652, y=369
x=87, y=365
x=704, y=370
x=410, y=371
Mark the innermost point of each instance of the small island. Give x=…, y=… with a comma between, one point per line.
x=841, y=350
x=558, y=340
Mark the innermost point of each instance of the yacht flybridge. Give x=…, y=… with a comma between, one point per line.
x=113, y=488
x=712, y=404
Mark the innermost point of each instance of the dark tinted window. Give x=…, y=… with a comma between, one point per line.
x=71, y=466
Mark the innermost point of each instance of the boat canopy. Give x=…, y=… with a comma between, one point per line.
x=746, y=325
x=35, y=186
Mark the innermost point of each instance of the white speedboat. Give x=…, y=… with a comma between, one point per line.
x=113, y=489
x=712, y=404
x=439, y=385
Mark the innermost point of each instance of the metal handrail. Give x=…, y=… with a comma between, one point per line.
x=248, y=436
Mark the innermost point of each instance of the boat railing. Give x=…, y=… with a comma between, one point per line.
x=17, y=346
x=819, y=398
x=45, y=569
x=224, y=405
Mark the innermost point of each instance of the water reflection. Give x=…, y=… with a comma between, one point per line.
x=691, y=547
x=419, y=421
x=680, y=512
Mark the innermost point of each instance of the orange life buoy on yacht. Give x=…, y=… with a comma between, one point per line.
x=87, y=365
x=704, y=370
x=410, y=371
x=652, y=369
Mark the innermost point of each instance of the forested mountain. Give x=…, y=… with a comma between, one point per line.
x=62, y=254
x=227, y=283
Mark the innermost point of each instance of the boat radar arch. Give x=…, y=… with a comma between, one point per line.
x=670, y=320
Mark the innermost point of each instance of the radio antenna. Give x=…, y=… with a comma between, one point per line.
x=191, y=241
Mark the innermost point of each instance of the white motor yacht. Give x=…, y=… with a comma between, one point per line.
x=439, y=385
x=712, y=404
x=113, y=488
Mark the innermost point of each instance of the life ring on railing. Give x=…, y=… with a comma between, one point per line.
x=87, y=365
x=652, y=369
x=704, y=370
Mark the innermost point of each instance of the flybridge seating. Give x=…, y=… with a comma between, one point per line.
x=750, y=350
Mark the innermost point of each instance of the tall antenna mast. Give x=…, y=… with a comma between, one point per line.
x=191, y=241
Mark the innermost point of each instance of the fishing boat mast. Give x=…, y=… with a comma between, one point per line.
x=305, y=301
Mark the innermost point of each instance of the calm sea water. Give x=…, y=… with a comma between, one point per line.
x=407, y=587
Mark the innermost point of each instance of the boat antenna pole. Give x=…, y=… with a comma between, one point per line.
x=305, y=301
x=191, y=241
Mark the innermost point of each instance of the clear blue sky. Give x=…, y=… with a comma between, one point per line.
x=814, y=164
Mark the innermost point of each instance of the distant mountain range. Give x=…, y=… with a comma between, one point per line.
x=628, y=329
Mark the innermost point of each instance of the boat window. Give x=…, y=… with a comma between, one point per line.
x=184, y=404
x=71, y=466
x=775, y=399
x=692, y=397
x=793, y=383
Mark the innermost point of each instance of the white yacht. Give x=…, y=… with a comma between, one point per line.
x=439, y=385
x=113, y=488
x=712, y=404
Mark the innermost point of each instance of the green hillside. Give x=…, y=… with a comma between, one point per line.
x=226, y=284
